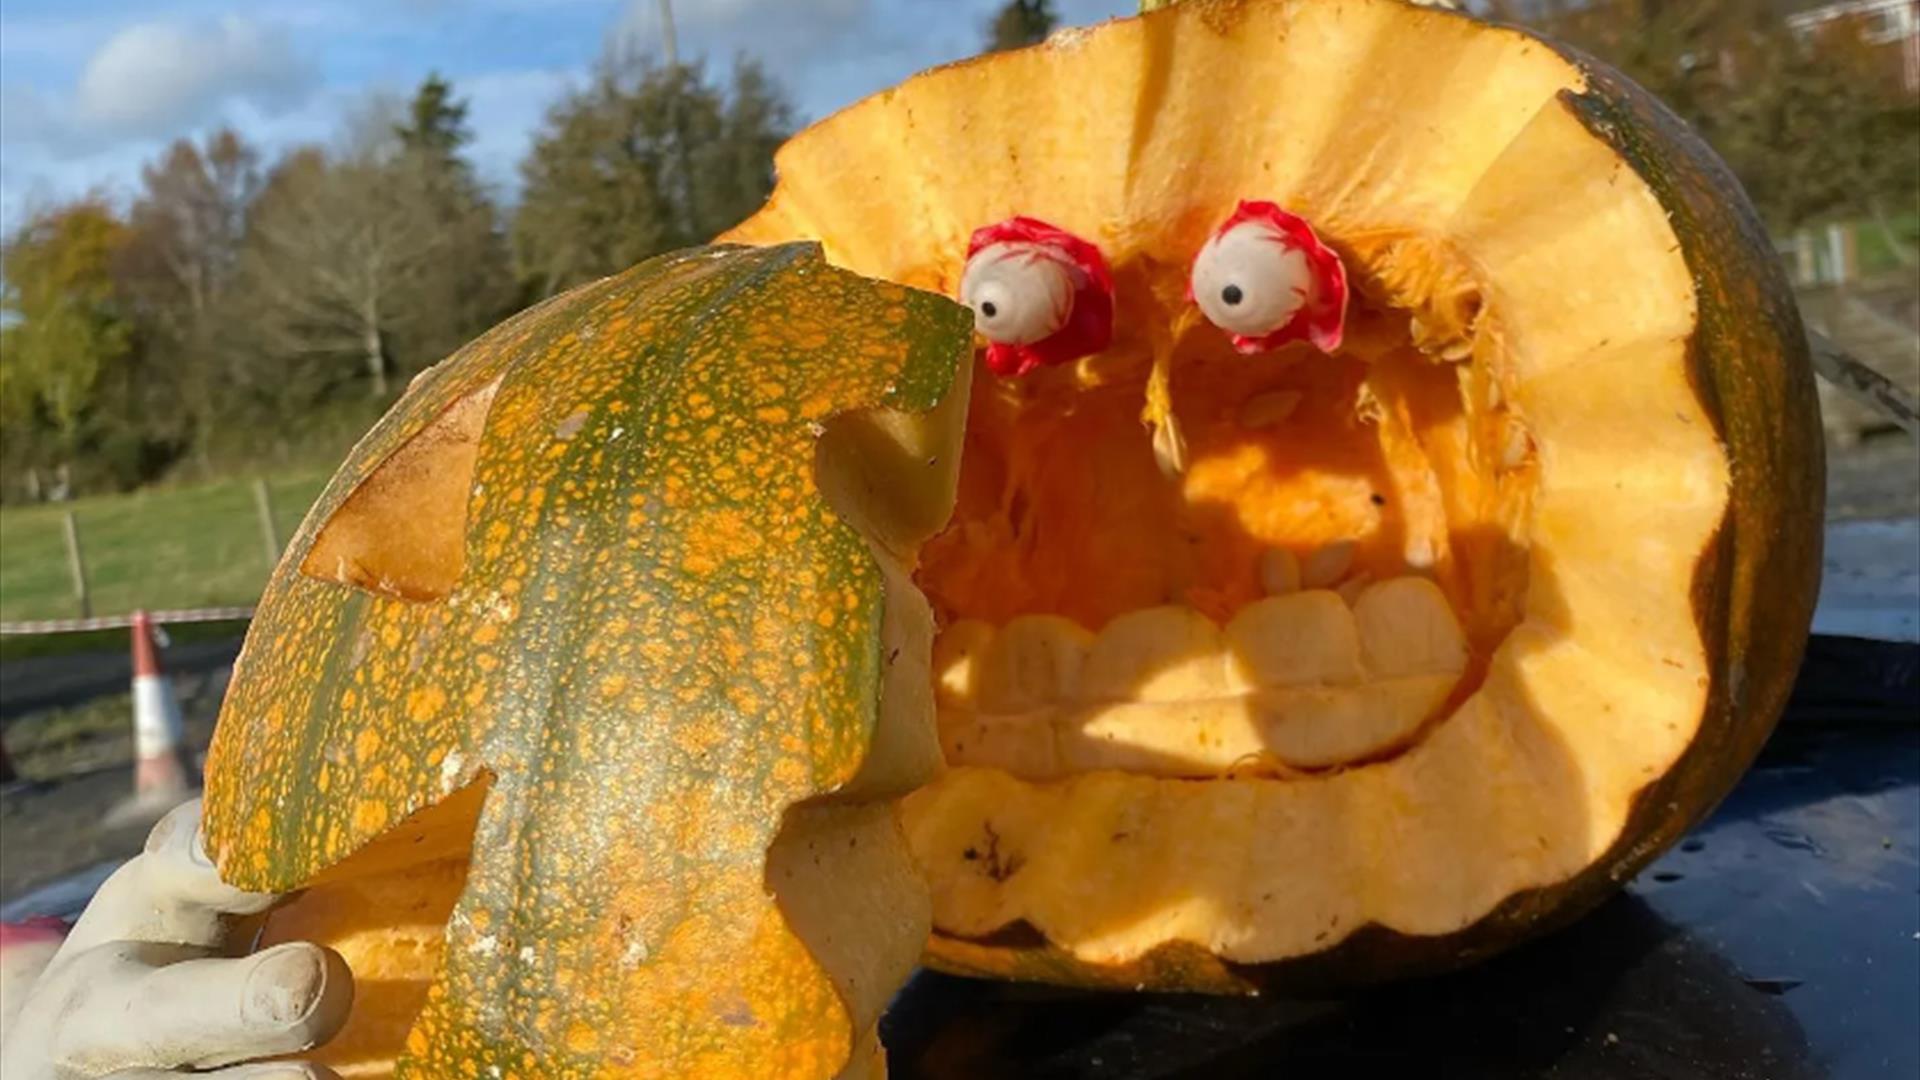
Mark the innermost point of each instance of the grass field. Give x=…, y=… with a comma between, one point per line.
x=158, y=548
x=1876, y=254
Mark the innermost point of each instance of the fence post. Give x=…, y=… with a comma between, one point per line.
x=269, y=533
x=77, y=564
x=1806, y=259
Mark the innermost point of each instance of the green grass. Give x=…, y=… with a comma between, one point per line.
x=1875, y=254
x=156, y=548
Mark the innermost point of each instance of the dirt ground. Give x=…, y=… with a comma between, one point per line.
x=78, y=758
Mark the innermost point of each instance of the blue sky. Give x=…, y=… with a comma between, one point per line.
x=90, y=89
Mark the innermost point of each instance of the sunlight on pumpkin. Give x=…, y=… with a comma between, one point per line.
x=1353, y=665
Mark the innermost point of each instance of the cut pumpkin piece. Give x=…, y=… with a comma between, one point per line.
x=639, y=693
x=1428, y=643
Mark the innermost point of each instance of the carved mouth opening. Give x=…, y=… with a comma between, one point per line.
x=1328, y=572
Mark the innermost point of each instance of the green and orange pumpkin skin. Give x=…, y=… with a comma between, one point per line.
x=580, y=700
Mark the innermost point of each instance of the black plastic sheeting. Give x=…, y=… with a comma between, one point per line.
x=1779, y=941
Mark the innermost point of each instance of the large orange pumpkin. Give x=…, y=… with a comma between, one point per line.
x=1423, y=647
x=1556, y=499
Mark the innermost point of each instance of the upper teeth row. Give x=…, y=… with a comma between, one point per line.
x=1402, y=626
x=1297, y=681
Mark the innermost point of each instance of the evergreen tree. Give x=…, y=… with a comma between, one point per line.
x=644, y=160
x=1020, y=23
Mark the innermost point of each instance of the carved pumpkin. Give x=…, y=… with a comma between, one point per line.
x=1555, y=497
x=616, y=600
x=1347, y=664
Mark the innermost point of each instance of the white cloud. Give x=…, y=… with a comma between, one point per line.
x=159, y=78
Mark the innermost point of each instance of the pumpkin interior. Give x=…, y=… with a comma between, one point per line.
x=1494, y=496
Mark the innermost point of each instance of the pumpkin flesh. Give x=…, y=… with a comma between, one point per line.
x=1159, y=775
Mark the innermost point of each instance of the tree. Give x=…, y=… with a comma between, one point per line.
x=67, y=352
x=1020, y=23
x=1818, y=136
x=436, y=124
x=186, y=230
x=385, y=256
x=332, y=243
x=190, y=217
x=1809, y=122
x=643, y=160
x=469, y=283
x=65, y=328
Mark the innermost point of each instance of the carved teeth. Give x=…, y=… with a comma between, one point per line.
x=1176, y=738
x=1295, y=681
x=1351, y=588
x=1279, y=572
x=1407, y=628
x=956, y=662
x=1034, y=662
x=1156, y=654
x=1022, y=745
x=1301, y=638
x=1328, y=565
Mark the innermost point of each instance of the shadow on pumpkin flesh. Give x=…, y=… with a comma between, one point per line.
x=385, y=910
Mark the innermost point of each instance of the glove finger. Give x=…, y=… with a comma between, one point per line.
x=132, y=1009
x=266, y=1070
x=169, y=893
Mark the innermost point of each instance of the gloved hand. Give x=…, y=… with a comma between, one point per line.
x=140, y=988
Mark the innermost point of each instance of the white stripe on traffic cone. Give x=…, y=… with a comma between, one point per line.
x=162, y=773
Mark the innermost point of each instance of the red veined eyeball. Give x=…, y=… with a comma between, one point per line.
x=1020, y=292
x=1266, y=279
x=1040, y=295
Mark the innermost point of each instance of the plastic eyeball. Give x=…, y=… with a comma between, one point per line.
x=1020, y=292
x=1249, y=280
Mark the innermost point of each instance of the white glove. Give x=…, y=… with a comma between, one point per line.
x=140, y=987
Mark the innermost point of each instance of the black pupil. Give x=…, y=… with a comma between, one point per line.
x=987, y=309
x=1232, y=295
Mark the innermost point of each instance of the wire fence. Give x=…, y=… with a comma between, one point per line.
x=89, y=563
x=120, y=622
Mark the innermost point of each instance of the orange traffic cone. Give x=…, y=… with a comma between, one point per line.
x=163, y=775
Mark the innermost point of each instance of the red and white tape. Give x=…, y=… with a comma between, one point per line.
x=121, y=622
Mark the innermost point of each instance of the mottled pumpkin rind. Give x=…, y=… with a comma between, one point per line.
x=662, y=638
x=1754, y=586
